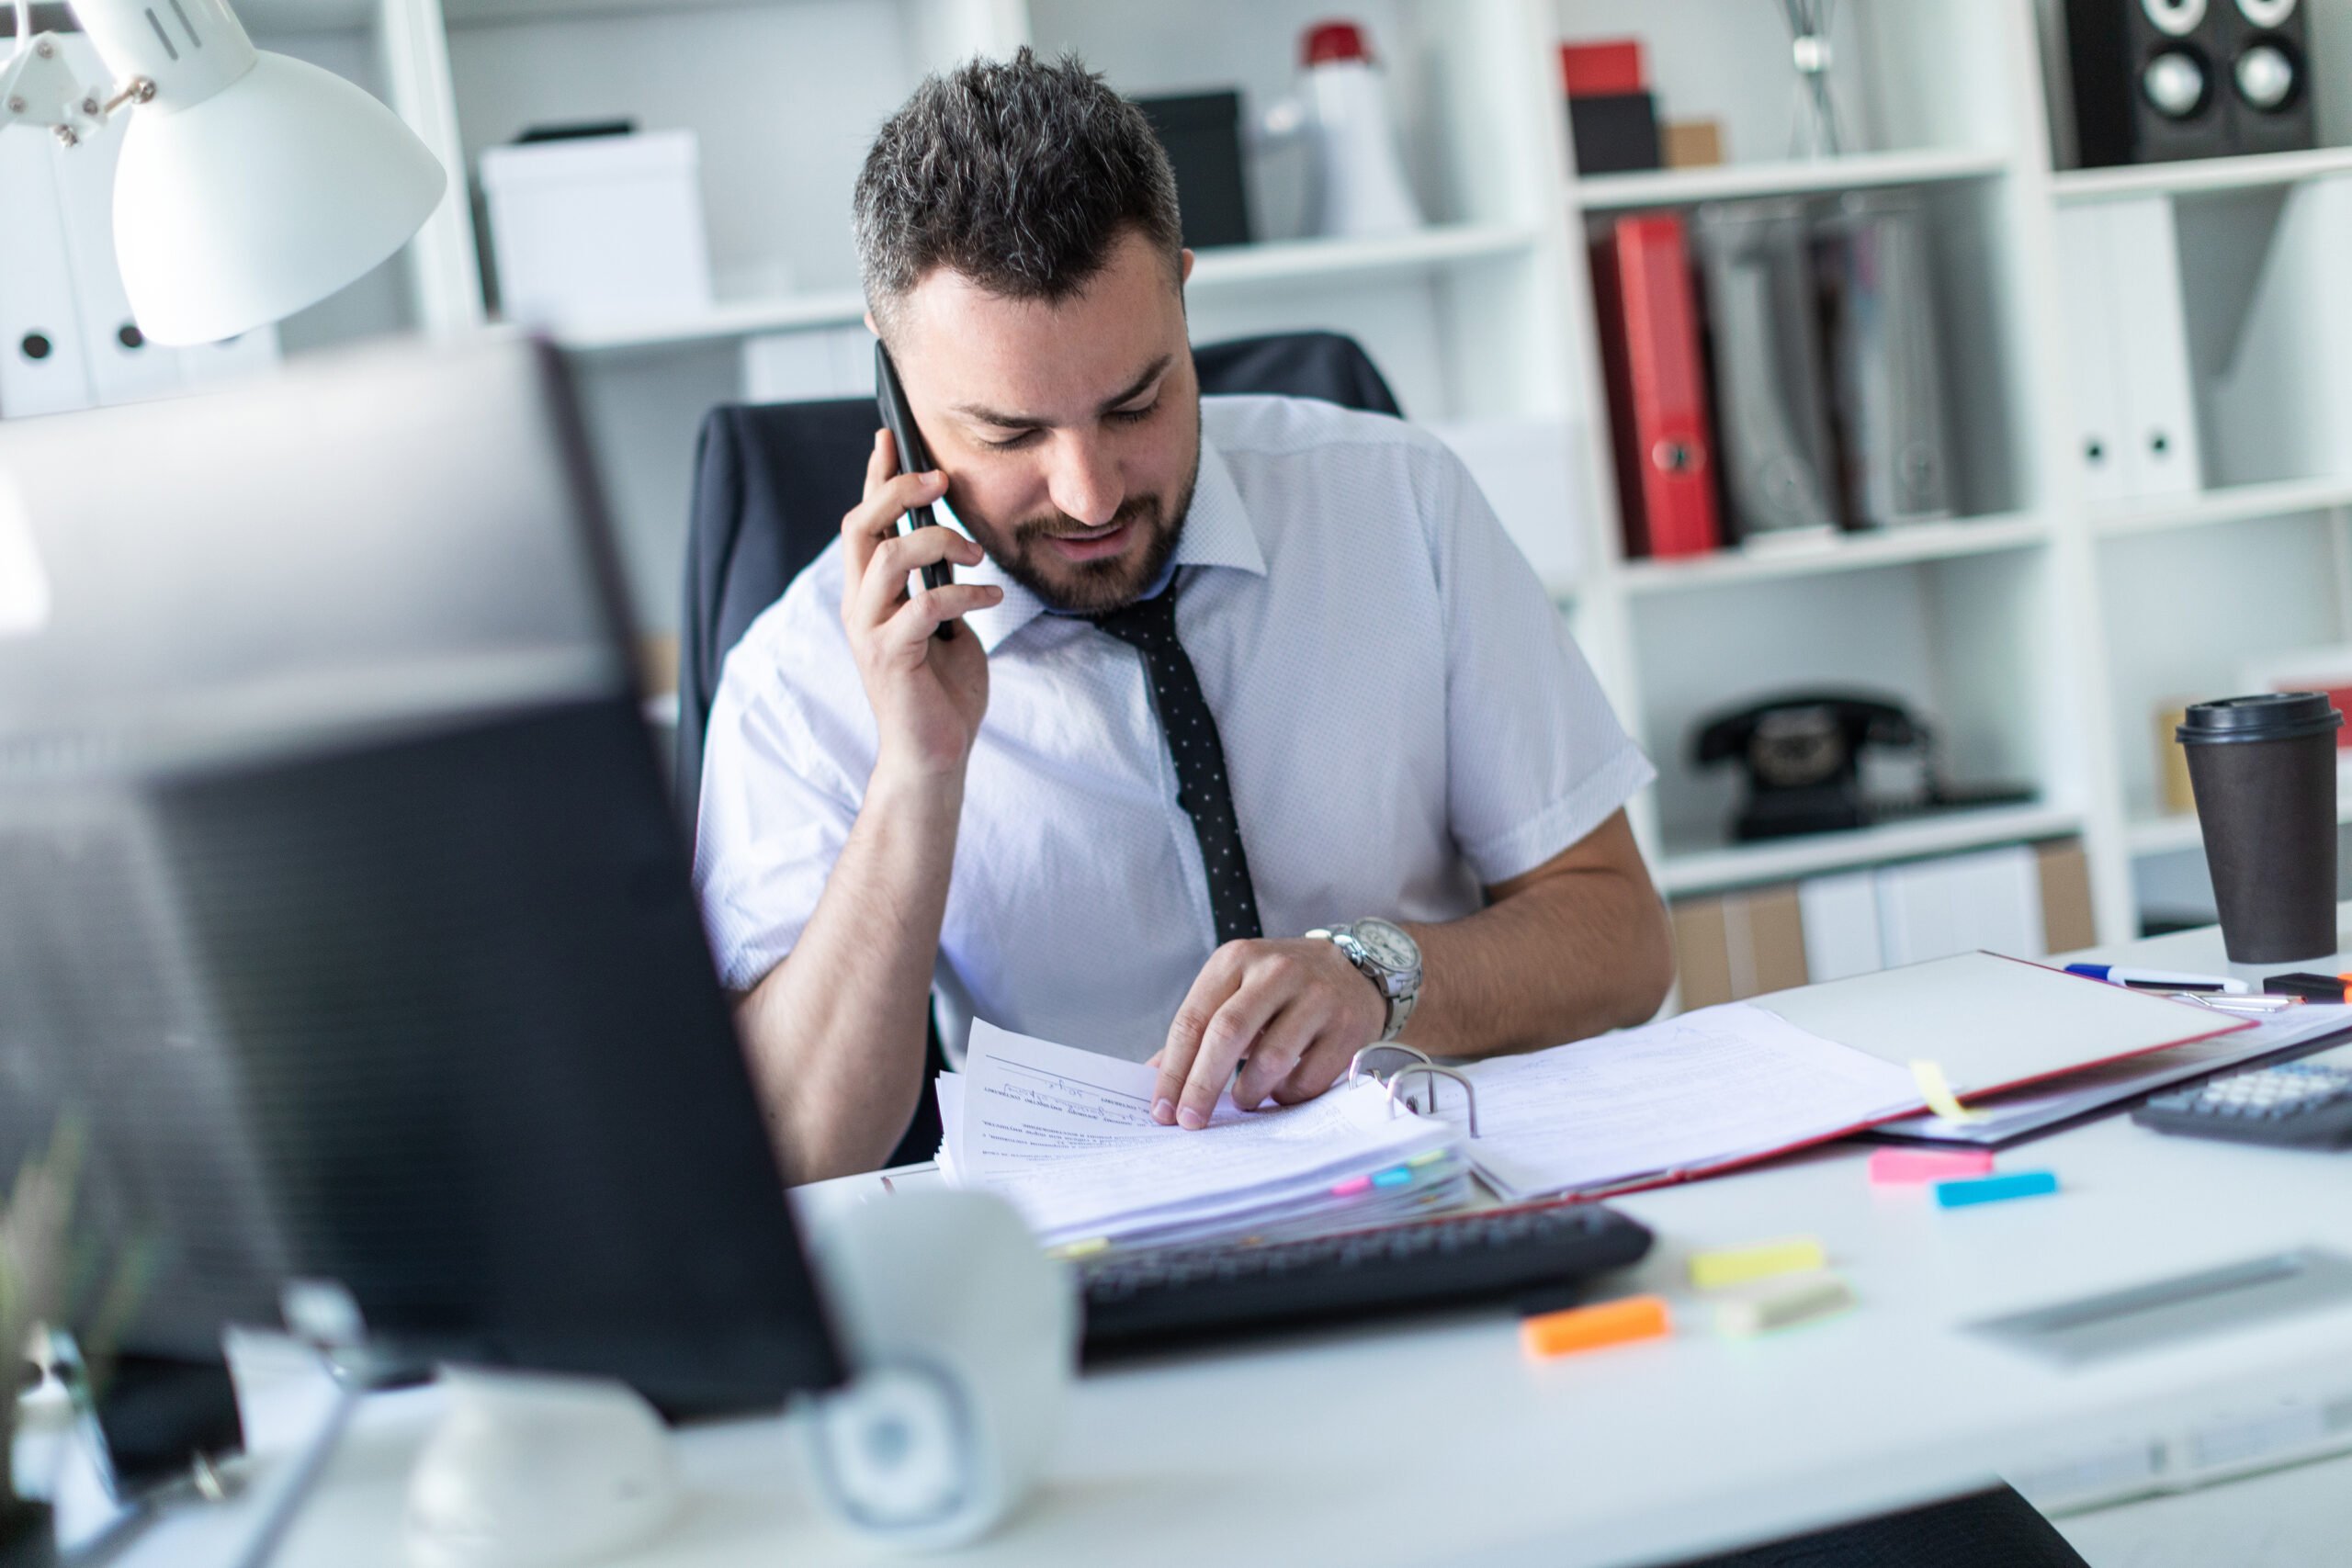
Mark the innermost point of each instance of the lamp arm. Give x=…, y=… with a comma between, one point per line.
x=37, y=87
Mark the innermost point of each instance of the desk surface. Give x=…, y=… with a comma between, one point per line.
x=1435, y=1440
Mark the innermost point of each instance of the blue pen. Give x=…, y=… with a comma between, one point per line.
x=2159, y=979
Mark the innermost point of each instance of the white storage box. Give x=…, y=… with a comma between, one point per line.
x=805, y=365
x=599, y=230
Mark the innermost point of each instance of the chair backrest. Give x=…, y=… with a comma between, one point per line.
x=772, y=482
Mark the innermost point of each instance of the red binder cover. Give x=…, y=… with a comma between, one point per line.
x=1657, y=400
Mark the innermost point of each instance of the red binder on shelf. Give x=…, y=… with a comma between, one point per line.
x=1657, y=397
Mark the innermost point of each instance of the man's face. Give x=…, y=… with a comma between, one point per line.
x=1071, y=433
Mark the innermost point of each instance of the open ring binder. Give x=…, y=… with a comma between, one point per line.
x=1356, y=1067
x=1420, y=1063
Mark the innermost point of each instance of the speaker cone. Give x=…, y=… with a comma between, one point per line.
x=2175, y=83
x=2267, y=76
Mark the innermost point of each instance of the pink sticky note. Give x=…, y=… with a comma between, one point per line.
x=1913, y=1166
x=1356, y=1184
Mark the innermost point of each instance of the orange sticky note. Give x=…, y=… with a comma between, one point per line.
x=1591, y=1328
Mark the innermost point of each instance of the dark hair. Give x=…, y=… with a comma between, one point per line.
x=1019, y=175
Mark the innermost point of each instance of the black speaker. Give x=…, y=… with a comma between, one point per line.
x=2265, y=67
x=2148, y=79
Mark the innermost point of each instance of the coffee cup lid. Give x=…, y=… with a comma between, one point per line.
x=2269, y=715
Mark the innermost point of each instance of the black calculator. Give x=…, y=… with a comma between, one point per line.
x=2298, y=1104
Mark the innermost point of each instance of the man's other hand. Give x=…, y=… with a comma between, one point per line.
x=1296, y=1008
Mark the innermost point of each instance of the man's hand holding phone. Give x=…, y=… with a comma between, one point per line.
x=928, y=692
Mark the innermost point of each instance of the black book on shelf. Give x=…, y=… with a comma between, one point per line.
x=1201, y=133
x=1614, y=132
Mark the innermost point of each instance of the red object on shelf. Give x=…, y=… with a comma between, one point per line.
x=1657, y=388
x=1328, y=41
x=1603, y=68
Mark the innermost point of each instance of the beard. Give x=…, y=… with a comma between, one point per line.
x=1087, y=587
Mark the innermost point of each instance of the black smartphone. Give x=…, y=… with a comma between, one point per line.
x=914, y=458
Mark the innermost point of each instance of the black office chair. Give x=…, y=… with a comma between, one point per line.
x=772, y=482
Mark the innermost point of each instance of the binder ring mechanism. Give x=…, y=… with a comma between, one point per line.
x=1358, y=1069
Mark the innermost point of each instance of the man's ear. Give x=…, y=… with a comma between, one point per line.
x=1183, y=272
x=877, y=331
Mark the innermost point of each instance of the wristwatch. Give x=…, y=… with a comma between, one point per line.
x=1384, y=956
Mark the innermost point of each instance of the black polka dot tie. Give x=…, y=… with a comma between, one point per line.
x=1150, y=626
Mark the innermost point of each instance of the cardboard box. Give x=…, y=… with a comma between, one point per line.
x=1743, y=943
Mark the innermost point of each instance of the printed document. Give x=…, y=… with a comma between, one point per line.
x=2037, y=1106
x=1707, y=1089
x=1066, y=1136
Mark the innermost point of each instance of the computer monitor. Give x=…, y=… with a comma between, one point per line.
x=340, y=898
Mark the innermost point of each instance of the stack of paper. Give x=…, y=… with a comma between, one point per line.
x=1066, y=1136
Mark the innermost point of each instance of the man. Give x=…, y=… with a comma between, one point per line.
x=1230, y=671
x=1257, y=741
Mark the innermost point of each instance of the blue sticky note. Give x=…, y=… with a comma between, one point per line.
x=1994, y=1189
x=1395, y=1176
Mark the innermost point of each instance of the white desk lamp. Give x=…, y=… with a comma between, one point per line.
x=250, y=185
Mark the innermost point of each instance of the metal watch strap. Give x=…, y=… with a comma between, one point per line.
x=1400, y=1004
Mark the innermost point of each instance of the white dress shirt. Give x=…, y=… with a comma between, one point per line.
x=1405, y=720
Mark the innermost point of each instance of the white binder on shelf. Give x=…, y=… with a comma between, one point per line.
x=42, y=366
x=2151, y=338
x=808, y=365
x=2093, y=356
x=1840, y=914
x=1934, y=909
x=124, y=366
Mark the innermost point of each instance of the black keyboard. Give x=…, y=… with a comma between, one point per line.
x=1140, y=1301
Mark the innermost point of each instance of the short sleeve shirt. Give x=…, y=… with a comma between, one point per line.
x=1405, y=719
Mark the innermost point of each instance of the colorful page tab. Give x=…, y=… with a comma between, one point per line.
x=1782, y=1303
x=1551, y=1334
x=1899, y=1167
x=1790, y=1255
x=1935, y=1090
x=1995, y=1188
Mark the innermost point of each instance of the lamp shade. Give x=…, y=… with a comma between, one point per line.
x=261, y=198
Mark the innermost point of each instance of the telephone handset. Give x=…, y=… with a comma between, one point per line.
x=1802, y=754
x=1805, y=738
x=914, y=458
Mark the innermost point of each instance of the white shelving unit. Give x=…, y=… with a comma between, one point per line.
x=1732, y=182
x=2201, y=175
x=1787, y=860
x=2035, y=632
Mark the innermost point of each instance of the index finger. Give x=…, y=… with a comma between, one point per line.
x=1232, y=1034
x=1216, y=982
x=858, y=541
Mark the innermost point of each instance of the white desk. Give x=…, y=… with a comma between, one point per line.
x=1435, y=1440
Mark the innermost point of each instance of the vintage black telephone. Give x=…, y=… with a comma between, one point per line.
x=1803, y=755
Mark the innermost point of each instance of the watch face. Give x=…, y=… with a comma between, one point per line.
x=1389, y=947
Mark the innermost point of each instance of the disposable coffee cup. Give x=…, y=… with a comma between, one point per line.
x=2263, y=771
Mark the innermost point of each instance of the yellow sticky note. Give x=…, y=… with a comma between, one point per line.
x=1733, y=1266
x=1081, y=1248
x=1937, y=1091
